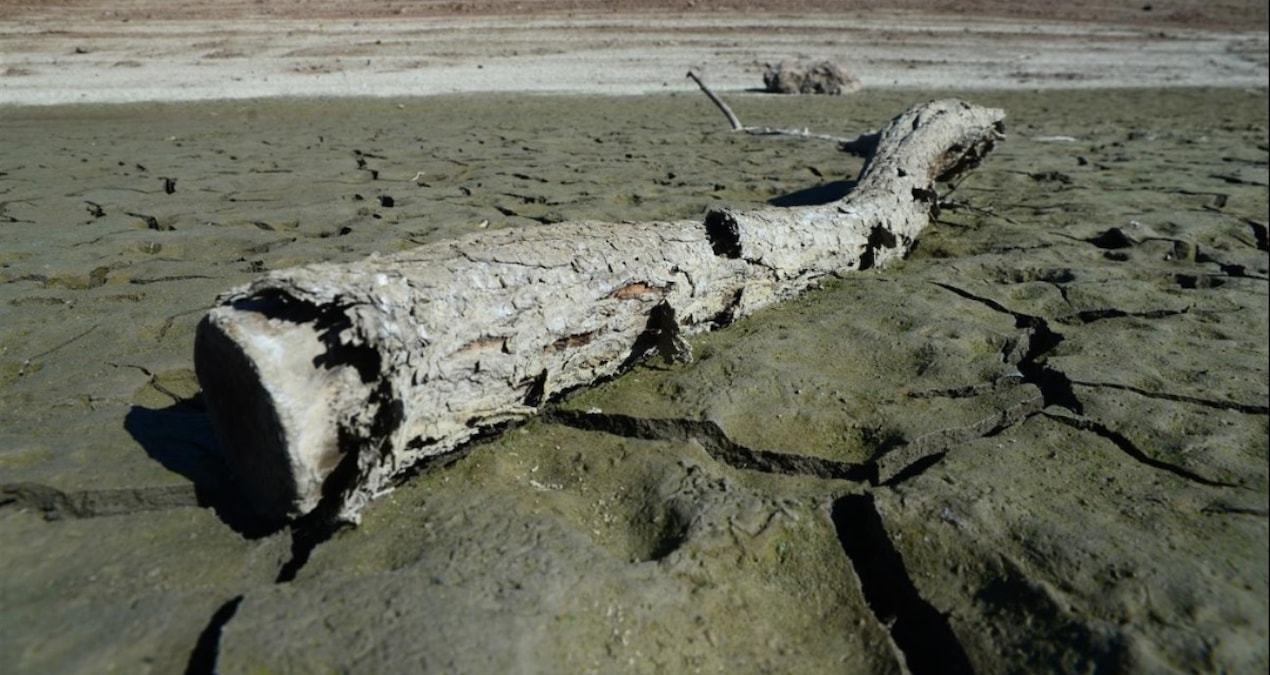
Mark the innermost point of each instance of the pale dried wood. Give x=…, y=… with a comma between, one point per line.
x=328, y=381
x=718, y=102
x=765, y=131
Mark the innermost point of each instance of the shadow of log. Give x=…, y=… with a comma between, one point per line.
x=825, y=193
x=181, y=438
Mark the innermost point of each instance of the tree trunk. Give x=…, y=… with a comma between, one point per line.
x=325, y=382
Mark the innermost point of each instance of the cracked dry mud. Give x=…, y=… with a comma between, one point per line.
x=1038, y=444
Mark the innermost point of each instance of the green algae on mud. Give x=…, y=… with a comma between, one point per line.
x=1062, y=391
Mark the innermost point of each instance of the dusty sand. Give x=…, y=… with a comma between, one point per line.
x=148, y=51
x=1063, y=390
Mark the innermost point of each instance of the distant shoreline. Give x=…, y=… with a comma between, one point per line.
x=86, y=61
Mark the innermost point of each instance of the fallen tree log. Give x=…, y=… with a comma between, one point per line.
x=326, y=382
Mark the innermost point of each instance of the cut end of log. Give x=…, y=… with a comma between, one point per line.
x=264, y=391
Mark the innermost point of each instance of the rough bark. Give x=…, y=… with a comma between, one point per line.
x=327, y=381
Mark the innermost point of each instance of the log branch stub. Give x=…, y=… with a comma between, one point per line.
x=326, y=382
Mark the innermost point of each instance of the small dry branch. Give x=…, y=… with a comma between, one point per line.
x=767, y=131
x=718, y=102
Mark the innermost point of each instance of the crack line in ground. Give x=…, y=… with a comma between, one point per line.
x=715, y=442
x=969, y=390
x=1259, y=234
x=56, y=504
x=931, y=448
x=1092, y=315
x=1227, y=509
x=921, y=635
x=937, y=444
x=916, y=455
x=307, y=533
x=1054, y=384
x=1057, y=388
x=1127, y=446
x=1180, y=398
x=207, y=649
x=919, y=631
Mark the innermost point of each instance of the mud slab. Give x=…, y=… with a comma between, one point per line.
x=1040, y=443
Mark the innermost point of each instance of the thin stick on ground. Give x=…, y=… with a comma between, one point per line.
x=727, y=111
x=849, y=144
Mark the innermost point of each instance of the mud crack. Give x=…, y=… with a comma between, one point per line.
x=1246, y=408
x=1235, y=510
x=207, y=650
x=1058, y=389
x=969, y=390
x=921, y=635
x=920, y=632
x=715, y=442
x=903, y=461
x=1092, y=315
x=307, y=533
x=1260, y=234
x=1129, y=448
x=1040, y=339
x=57, y=504
x=894, y=461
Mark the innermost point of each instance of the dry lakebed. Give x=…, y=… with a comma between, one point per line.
x=1036, y=444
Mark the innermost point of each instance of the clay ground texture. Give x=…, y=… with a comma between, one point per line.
x=1038, y=444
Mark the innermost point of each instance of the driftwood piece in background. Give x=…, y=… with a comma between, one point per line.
x=326, y=382
x=809, y=77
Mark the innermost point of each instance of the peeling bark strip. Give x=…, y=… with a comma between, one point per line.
x=326, y=381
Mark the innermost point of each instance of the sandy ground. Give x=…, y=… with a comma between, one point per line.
x=55, y=55
x=1062, y=393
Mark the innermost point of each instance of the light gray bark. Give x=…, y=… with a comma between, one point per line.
x=327, y=381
